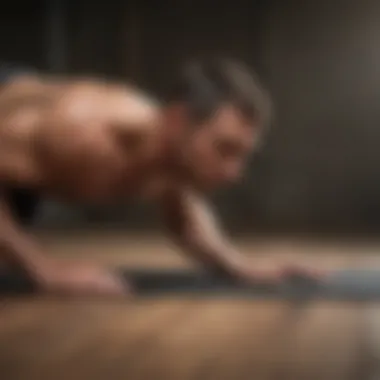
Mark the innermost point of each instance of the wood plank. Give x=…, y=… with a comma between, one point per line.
x=188, y=339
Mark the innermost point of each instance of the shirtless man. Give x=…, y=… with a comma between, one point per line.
x=92, y=140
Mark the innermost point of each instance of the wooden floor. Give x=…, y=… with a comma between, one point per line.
x=191, y=338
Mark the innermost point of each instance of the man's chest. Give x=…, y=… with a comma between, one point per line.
x=109, y=176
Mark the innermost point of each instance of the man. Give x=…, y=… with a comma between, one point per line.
x=91, y=140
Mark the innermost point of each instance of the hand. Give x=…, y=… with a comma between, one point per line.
x=295, y=270
x=252, y=275
x=78, y=279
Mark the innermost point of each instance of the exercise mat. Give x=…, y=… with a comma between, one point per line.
x=353, y=284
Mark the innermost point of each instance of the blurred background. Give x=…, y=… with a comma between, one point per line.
x=318, y=169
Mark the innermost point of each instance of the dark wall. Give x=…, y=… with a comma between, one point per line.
x=23, y=36
x=322, y=64
x=146, y=43
x=320, y=60
x=319, y=167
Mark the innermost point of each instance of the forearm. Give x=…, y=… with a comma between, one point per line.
x=21, y=252
x=214, y=256
x=17, y=247
x=193, y=227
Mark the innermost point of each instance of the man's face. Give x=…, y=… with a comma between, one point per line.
x=217, y=150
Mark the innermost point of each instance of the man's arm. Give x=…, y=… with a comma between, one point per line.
x=193, y=226
x=17, y=247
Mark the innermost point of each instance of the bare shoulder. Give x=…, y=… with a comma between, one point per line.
x=82, y=100
x=134, y=106
x=117, y=103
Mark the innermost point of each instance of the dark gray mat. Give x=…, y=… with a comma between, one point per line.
x=354, y=284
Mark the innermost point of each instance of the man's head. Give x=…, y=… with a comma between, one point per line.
x=220, y=110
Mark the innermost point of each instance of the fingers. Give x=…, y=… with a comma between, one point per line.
x=118, y=286
x=305, y=272
x=84, y=280
x=280, y=274
x=111, y=285
x=259, y=276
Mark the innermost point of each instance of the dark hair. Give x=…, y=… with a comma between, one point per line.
x=205, y=85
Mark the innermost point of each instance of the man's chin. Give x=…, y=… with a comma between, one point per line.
x=203, y=184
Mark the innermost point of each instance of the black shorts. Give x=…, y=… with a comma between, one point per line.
x=22, y=202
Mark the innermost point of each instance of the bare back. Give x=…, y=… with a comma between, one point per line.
x=82, y=139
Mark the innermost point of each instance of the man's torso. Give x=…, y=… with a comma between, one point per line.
x=83, y=140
